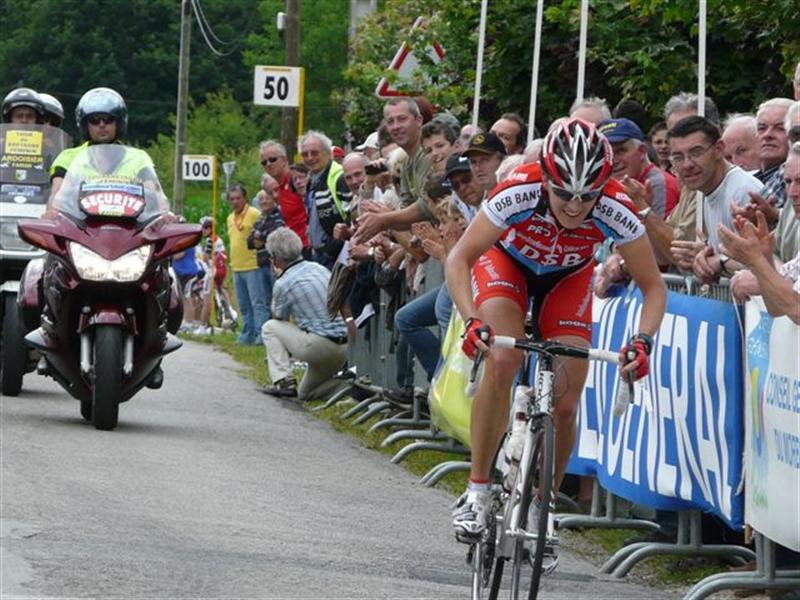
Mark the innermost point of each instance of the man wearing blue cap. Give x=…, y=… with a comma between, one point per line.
x=631, y=160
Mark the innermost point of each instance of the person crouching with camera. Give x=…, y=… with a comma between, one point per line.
x=300, y=294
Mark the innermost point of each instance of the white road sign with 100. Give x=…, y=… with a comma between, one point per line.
x=198, y=167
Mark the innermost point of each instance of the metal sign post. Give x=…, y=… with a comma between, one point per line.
x=203, y=167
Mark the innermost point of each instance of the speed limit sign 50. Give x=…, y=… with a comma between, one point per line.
x=198, y=167
x=277, y=86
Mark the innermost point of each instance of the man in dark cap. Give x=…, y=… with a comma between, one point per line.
x=485, y=153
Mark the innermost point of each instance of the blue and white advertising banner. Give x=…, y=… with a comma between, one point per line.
x=772, y=425
x=679, y=444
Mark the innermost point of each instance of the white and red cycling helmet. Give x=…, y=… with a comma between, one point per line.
x=576, y=159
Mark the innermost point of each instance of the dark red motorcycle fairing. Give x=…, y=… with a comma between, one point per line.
x=110, y=238
x=147, y=309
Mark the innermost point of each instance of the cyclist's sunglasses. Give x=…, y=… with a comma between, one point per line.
x=566, y=195
x=105, y=119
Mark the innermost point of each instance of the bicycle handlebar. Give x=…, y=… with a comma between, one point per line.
x=557, y=348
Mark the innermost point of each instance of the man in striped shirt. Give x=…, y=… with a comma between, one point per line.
x=312, y=336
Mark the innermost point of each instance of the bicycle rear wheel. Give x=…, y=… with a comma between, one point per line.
x=543, y=466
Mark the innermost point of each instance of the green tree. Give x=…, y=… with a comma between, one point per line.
x=645, y=49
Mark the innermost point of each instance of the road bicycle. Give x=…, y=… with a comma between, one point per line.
x=508, y=536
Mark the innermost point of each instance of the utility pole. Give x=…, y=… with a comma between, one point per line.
x=290, y=115
x=183, y=99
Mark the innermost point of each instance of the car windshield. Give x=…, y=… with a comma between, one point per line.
x=26, y=154
x=110, y=181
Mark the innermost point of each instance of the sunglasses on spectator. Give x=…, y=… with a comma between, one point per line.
x=270, y=160
x=692, y=154
x=104, y=119
x=567, y=195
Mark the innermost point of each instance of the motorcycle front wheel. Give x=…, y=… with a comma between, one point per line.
x=107, y=387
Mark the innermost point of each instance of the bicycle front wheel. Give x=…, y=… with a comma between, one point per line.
x=543, y=466
x=537, y=476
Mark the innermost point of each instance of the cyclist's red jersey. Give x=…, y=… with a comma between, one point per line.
x=537, y=258
x=536, y=241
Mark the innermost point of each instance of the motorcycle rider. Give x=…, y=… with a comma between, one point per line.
x=53, y=110
x=24, y=106
x=102, y=118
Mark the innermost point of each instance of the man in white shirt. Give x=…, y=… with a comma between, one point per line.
x=697, y=153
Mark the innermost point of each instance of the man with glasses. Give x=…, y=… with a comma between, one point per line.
x=697, y=154
x=534, y=238
x=327, y=198
x=275, y=162
x=102, y=117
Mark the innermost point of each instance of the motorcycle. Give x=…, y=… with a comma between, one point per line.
x=26, y=153
x=109, y=306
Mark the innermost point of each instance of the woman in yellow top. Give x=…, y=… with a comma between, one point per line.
x=247, y=280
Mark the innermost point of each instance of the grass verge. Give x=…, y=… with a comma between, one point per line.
x=661, y=570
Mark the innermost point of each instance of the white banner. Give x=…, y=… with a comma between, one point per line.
x=772, y=425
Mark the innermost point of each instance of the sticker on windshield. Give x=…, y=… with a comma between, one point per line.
x=28, y=143
x=112, y=204
x=23, y=150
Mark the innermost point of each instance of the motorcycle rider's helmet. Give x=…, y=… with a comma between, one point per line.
x=577, y=158
x=22, y=97
x=101, y=100
x=53, y=110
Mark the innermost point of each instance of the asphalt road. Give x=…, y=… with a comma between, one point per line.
x=210, y=489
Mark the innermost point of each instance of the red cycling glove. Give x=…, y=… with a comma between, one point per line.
x=638, y=350
x=474, y=330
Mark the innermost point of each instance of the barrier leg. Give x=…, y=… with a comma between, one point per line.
x=765, y=576
x=608, y=521
x=411, y=417
x=340, y=395
x=694, y=547
x=414, y=434
x=376, y=408
x=450, y=446
x=361, y=406
x=432, y=477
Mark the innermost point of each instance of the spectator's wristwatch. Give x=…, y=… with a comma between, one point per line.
x=723, y=263
x=644, y=212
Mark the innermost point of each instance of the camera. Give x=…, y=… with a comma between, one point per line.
x=376, y=168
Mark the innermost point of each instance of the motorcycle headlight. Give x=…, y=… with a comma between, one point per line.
x=93, y=267
x=9, y=237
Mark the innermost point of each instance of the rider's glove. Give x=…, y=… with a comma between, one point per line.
x=637, y=350
x=474, y=330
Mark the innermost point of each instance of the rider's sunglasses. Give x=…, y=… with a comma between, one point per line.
x=566, y=195
x=270, y=160
x=104, y=119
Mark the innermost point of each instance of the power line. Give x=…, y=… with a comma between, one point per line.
x=202, y=16
x=203, y=25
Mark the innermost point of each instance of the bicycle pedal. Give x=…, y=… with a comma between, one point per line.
x=549, y=564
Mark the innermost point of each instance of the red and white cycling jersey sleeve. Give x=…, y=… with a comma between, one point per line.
x=513, y=199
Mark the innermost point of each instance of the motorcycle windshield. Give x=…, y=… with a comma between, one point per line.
x=26, y=154
x=110, y=181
